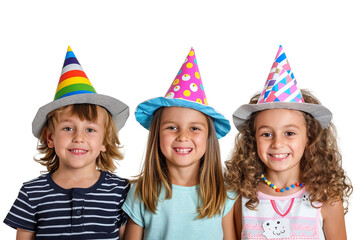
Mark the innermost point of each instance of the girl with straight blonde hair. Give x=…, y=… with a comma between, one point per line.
x=180, y=193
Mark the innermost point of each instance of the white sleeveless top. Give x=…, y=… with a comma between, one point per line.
x=287, y=217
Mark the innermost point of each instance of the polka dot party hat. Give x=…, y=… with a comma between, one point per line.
x=187, y=84
x=74, y=87
x=281, y=91
x=187, y=91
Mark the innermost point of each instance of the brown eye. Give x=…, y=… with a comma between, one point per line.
x=266, y=135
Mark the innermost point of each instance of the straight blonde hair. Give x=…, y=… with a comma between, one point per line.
x=155, y=176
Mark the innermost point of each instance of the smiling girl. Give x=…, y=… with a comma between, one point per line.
x=286, y=167
x=180, y=193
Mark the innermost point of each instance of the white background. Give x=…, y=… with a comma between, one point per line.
x=132, y=50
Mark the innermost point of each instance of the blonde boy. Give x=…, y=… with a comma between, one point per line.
x=79, y=197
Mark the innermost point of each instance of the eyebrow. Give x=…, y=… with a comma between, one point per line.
x=190, y=123
x=64, y=120
x=72, y=121
x=286, y=126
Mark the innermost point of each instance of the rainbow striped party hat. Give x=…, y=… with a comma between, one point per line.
x=186, y=90
x=73, y=79
x=281, y=92
x=74, y=87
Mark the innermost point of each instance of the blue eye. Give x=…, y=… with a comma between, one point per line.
x=68, y=129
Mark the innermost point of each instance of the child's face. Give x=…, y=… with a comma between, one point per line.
x=183, y=136
x=77, y=142
x=281, y=138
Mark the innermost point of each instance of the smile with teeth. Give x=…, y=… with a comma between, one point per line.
x=282, y=155
x=183, y=150
x=78, y=151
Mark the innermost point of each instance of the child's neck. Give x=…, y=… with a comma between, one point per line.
x=184, y=176
x=281, y=180
x=76, y=178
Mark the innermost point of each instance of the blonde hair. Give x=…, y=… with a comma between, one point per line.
x=321, y=170
x=89, y=112
x=155, y=176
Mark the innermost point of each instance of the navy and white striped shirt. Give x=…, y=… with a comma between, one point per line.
x=52, y=212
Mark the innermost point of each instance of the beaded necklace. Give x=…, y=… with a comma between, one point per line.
x=278, y=189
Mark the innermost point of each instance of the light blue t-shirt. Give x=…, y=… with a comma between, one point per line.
x=176, y=217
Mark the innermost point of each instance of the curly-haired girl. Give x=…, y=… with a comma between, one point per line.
x=286, y=165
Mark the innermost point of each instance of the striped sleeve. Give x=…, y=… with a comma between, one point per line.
x=123, y=216
x=22, y=213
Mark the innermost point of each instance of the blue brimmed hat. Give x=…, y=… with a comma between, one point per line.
x=186, y=91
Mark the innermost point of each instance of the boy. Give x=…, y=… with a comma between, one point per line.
x=79, y=198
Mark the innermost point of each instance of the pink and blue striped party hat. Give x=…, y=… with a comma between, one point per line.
x=281, y=85
x=281, y=92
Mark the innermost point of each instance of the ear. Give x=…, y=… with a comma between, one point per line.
x=103, y=148
x=49, y=138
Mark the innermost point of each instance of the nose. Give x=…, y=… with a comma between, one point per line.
x=278, y=142
x=78, y=137
x=182, y=136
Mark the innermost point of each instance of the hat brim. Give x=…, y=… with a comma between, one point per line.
x=118, y=110
x=144, y=112
x=319, y=112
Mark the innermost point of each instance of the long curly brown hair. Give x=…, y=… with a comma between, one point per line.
x=321, y=169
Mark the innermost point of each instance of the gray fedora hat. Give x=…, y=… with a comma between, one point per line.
x=319, y=112
x=281, y=92
x=75, y=88
x=118, y=110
